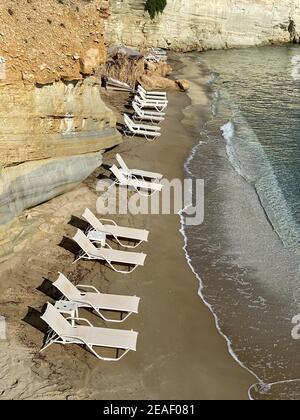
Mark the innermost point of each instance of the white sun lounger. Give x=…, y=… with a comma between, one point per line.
x=159, y=106
x=96, y=300
x=111, y=256
x=156, y=94
x=132, y=129
x=133, y=182
x=163, y=101
x=137, y=172
x=62, y=332
x=112, y=229
x=141, y=115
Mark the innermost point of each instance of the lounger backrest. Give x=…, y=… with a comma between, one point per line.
x=139, y=100
x=128, y=122
x=141, y=89
x=85, y=244
x=66, y=287
x=92, y=219
x=143, y=96
x=55, y=320
x=122, y=163
x=118, y=174
x=137, y=109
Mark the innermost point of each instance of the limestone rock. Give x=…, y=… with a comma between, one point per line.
x=187, y=25
x=183, y=84
x=51, y=138
x=92, y=60
x=32, y=183
x=158, y=82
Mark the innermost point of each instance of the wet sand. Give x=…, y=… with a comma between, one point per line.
x=180, y=354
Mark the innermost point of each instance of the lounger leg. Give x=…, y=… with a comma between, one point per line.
x=49, y=340
x=113, y=320
x=142, y=194
x=77, y=259
x=120, y=271
x=112, y=185
x=127, y=246
x=109, y=359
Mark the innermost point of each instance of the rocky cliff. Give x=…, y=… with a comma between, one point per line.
x=54, y=125
x=201, y=24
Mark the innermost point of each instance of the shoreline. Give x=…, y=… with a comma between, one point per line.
x=243, y=248
x=180, y=354
x=201, y=294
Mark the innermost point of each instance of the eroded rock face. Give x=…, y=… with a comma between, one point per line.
x=53, y=124
x=51, y=138
x=31, y=183
x=199, y=25
x=46, y=41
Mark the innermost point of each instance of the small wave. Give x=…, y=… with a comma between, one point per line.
x=249, y=159
x=228, y=132
x=276, y=390
x=214, y=76
x=295, y=73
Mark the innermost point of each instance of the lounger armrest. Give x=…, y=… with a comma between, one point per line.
x=75, y=337
x=84, y=286
x=80, y=319
x=109, y=220
x=137, y=179
x=149, y=127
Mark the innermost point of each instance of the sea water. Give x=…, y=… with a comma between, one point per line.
x=249, y=268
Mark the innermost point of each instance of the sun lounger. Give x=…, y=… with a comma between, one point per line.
x=132, y=129
x=132, y=182
x=97, y=301
x=136, y=172
x=156, y=94
x=159, y=106
x=159, y=100
x=141, y=115
x=63, y=332
x=110, y=228
x=111, y=256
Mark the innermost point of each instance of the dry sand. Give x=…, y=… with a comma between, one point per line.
x=180, y=354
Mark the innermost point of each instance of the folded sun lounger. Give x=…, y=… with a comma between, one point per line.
x=110, y=228
x=97, y=301
x=108, y=255
x=63, y=332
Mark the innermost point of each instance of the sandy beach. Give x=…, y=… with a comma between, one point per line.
x=180, y=354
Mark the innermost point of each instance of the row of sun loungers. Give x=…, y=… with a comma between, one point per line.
x=147, y=106
x=94, y=246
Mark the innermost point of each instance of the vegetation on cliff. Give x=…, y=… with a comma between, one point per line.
x=154, y=7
